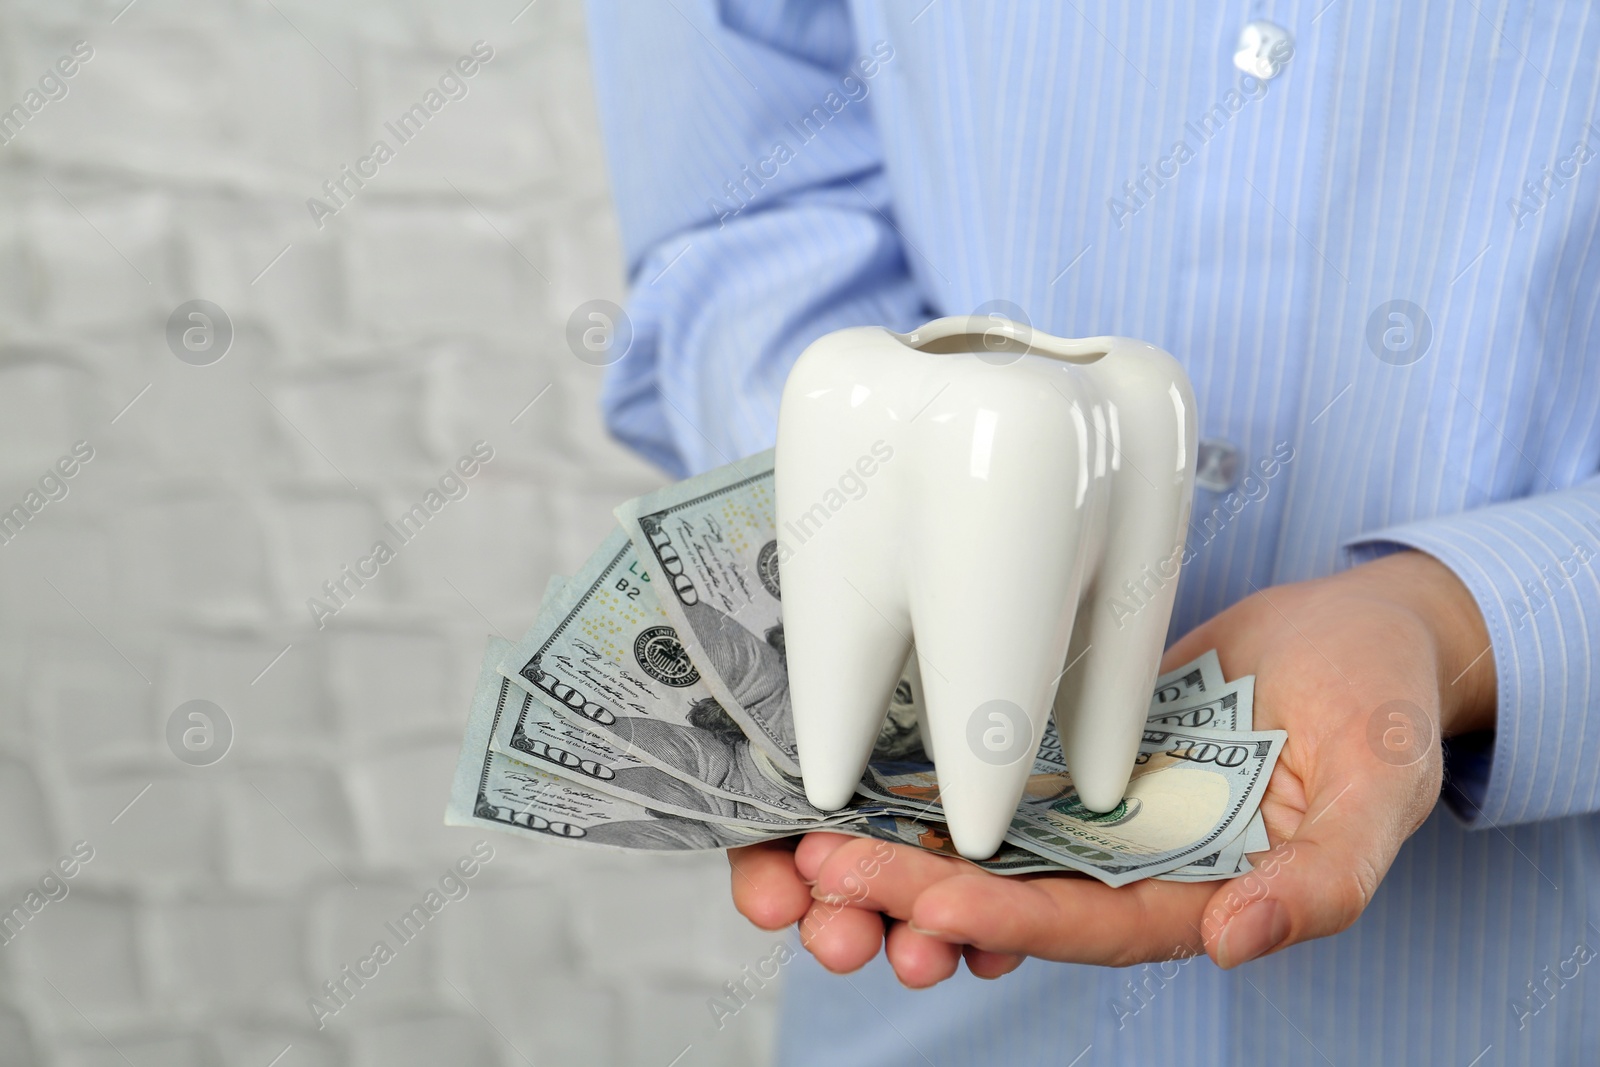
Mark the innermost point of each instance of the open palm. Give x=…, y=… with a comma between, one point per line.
x=1362, y=670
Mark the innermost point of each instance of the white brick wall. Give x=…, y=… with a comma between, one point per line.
x=420, y=318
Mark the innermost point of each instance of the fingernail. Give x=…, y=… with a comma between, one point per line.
x=1255, y=931
x=827, y=898
x=809, y=881
x=924, y=931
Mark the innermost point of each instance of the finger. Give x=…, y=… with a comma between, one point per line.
x=1237, y=634
x=1320, y=880
x=1044, y=917
x=990, y=965
x=920, y=961
x=884, y=877
x=842, y=938
x=813, y=849
x=766, y=888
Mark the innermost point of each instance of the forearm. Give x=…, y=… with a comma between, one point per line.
x=739, y=254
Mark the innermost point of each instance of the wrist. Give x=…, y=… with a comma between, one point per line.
x=1466, y=668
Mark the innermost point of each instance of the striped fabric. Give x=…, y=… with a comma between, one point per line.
x=786, y=169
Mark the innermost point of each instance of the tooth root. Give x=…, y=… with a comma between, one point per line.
x=1104, y=698
x=996, y=558
x=843, y=666
x=847, y=630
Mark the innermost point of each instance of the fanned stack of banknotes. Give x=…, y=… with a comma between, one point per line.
x=648, y=708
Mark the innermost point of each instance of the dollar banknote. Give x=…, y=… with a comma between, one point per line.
x=604, y=658
x=711, y=545
x=543, y=740
x=648, y=708
x=1210, y=705
x=1215, y=705
x=1233, y=708
x=659, y=795
x=1204, y=701
x=496, y=791
x=1191, y=791
x=562, y=802
x=1195, y=696
x=559, y=748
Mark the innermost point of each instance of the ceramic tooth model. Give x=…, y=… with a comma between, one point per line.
x=986, y=495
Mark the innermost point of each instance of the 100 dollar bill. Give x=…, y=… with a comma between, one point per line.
x=1190, y=790
x=606, y=659
x=1191, y=793
x=494, y=790
x=710, y=543
x=562, y=781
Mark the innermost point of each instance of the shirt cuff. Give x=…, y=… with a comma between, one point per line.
x=1533, y=567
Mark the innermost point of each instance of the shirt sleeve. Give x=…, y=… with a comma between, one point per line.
x=1533, y=566
x=754, y=209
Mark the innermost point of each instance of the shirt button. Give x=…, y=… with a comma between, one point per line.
x=1216, y=465
x=1265, y=48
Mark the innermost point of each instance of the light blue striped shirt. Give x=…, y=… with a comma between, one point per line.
x=786, y=169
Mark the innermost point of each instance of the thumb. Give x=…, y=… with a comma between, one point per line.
x=1319, y=881
x=1191, y=646
x=1237, y=633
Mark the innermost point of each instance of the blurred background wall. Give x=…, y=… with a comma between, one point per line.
x=371, y=347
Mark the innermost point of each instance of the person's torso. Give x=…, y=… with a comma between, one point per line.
x=1381, y=271
x=1383, y=319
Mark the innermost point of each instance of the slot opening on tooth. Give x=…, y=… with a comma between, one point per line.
x=946, y=337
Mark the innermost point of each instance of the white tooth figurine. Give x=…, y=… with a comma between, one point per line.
x=1015, y=503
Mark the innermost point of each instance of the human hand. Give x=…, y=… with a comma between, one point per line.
x=1328, y=655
